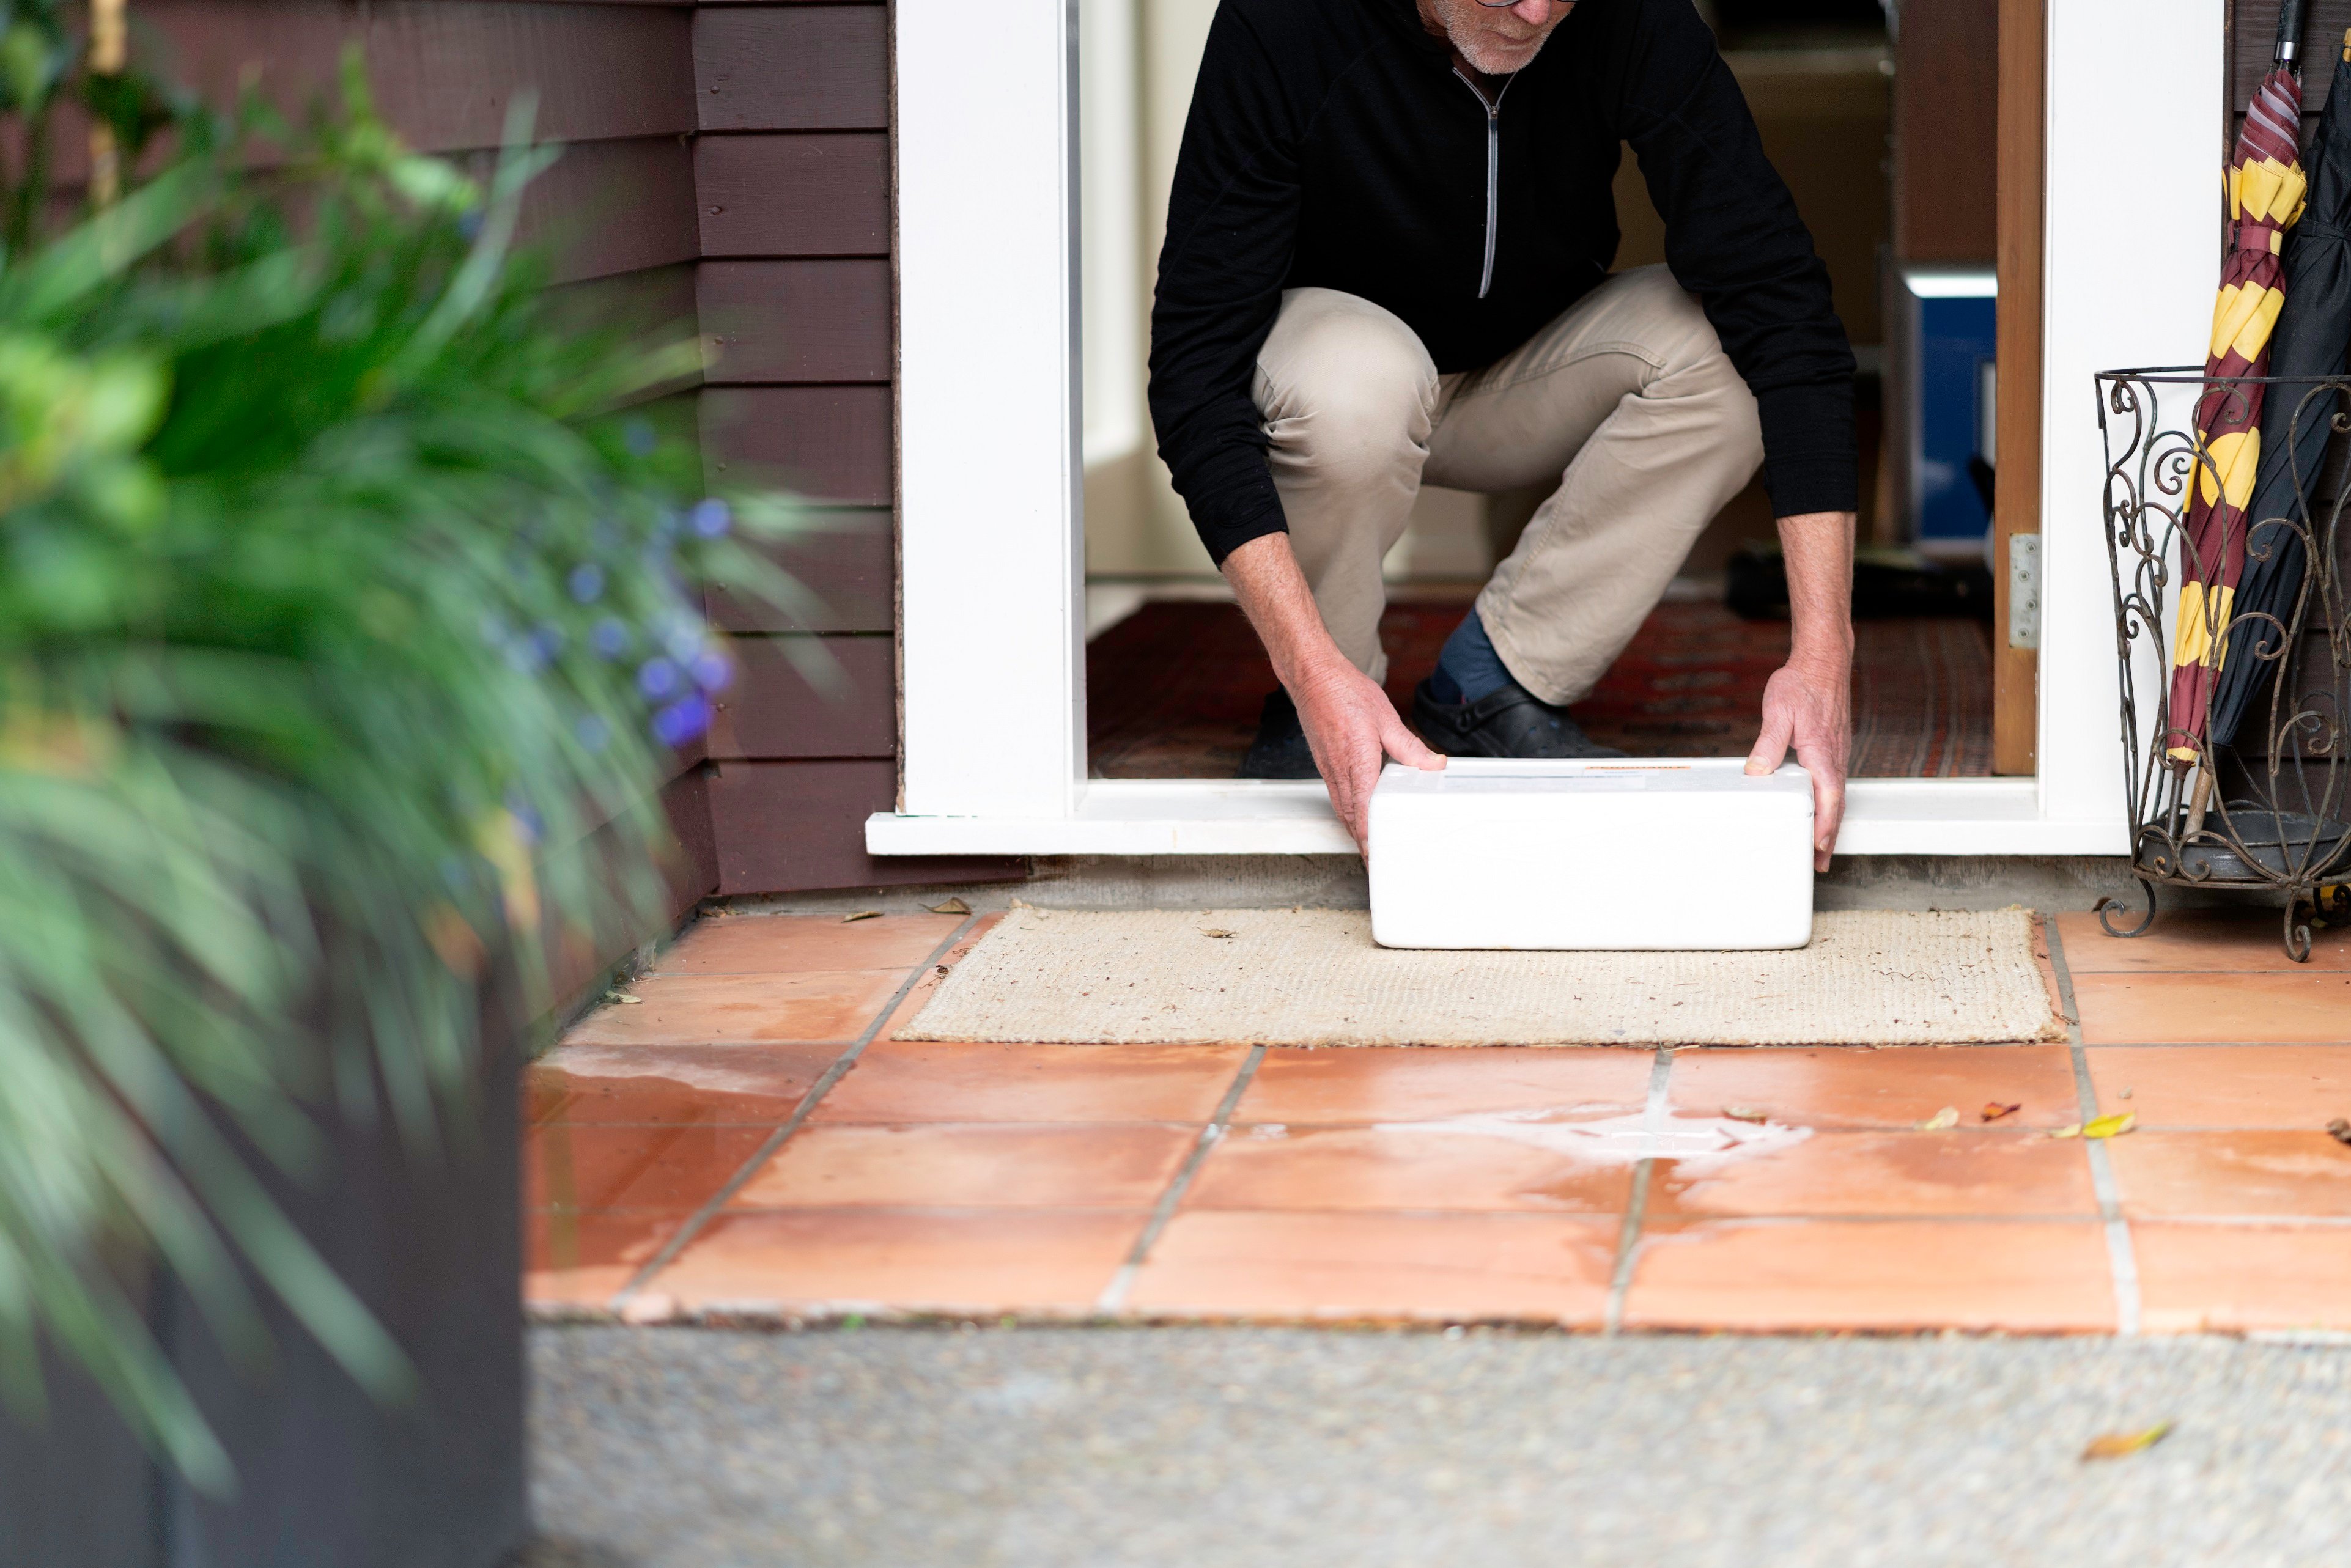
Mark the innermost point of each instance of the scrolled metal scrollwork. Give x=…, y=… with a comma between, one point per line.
x=2265, y=808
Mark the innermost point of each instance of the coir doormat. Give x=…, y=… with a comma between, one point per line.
x=1315, y=977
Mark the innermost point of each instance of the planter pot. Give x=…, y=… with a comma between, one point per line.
x=431, y=1242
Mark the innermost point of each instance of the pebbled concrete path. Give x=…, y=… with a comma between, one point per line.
x=1133, y=1448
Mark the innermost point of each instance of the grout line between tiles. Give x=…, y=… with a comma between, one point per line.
x=2122, y=1257
x=1637, y=1202
x=800, y=1113
x=1114, y=1296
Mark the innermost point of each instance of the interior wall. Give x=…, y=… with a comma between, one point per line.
x=1825, y=109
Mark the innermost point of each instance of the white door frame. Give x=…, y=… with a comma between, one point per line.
x=990, y=479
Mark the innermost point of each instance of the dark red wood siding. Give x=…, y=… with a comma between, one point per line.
x=727, y=165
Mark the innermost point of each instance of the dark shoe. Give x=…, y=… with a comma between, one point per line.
x=1512, y=722
x=1280, y=750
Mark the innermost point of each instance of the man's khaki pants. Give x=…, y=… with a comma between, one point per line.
x=1626, y=402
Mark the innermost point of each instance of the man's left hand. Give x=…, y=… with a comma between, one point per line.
x=1809, y=704
x=1808, y=707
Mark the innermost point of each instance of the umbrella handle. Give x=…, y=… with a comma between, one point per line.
x=2289, y=33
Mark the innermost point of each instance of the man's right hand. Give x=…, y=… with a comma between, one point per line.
x=1350, y=723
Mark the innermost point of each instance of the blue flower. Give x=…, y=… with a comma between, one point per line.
x=657, y=677
x=587, y=582
x=610, y=638
x=682, y=720
x=684, y=640
x=593, y=732
x=639, y=438
x=549, y=641
x=711, y=671
x=710, y=518
x=525, y=655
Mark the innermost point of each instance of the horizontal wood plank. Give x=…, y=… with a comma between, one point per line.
x=774, y=711
x=825, y=195
x=445, y=71
x=693, y=877
x=790, y=827
x=792, y=68
x=610, y=207
x=827, y=443
x=796, y=320
x=847, y=562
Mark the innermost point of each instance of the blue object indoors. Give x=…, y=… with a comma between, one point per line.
x=1952, y=318
x=1468, y=668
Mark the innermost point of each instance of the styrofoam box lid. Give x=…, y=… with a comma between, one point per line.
x=1541, y=782
x=1477, y=855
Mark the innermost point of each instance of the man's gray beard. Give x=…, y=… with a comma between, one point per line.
x=1496, y=70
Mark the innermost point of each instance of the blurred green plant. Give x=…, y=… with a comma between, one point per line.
x=348, y=613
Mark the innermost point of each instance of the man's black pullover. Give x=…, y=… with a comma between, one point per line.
x=1333, y=145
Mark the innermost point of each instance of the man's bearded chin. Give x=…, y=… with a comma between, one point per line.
x=1489, y=53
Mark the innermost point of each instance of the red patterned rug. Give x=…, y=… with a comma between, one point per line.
x=1173, y=691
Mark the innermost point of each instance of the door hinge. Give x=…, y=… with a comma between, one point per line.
x=2024, y=591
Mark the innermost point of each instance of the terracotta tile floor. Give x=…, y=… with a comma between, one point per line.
x=748, y=1138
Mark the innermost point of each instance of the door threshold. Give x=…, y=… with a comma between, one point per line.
x=1241, y=817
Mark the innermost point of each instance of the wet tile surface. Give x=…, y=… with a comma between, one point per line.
x=2241, y=1174
x=1873, y=1274
x=1955, y=1173
x=2311, y=1007
x=2238, y=1278
x=1416, y=1185
x=794, y=944
x=582, y=1259
x=1381, y=1266
x=1390, y=1167
x=1303, y=1087
x=1008, y=1166
x=817, y=1004
x=985, y=1260
x=602, y=1165
x=736, y=1084
x=2211, y=941
x=2282, y=1087
x=1855, y=1087
x=911, y=1080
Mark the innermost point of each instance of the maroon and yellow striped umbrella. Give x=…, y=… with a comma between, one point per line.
x=2266, y=192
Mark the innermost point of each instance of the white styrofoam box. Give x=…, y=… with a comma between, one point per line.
x=1606, y=855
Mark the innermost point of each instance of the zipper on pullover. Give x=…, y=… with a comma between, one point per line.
x=1493, y=109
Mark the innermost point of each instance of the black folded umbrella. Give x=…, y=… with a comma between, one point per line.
x=2313, y=336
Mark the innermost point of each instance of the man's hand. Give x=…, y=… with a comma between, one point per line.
x=1809, y=703
x=1349, y=722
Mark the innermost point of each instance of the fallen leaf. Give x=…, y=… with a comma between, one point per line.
x=2073, y=1132
x=2123, y=1095
x=951, y=906
x=622, y=997
x=1993, y=1110
x=1948, y=1116
x=1746, y=1113
x=860, y=914
x=2339, y=1130
x=1215, y=931
x=2122, y=1445
x=2110, y=1127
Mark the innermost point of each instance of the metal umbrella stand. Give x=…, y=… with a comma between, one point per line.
x=2269, y=811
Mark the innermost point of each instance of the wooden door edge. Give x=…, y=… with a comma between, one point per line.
x=2023, y=130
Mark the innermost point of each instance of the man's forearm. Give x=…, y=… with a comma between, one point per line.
x=1273, y=594
x=1818, y=549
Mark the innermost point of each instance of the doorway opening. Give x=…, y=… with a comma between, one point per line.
x=1880, y=115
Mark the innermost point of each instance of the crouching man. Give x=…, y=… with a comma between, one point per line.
x=1387, y=263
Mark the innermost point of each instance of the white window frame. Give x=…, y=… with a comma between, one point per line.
x=990, y=479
